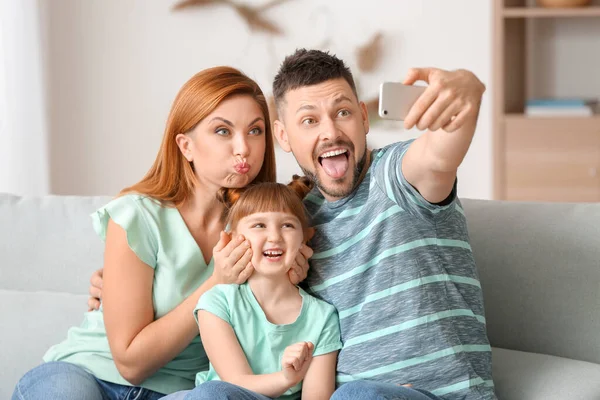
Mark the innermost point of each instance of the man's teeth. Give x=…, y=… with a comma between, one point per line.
x=333, y=153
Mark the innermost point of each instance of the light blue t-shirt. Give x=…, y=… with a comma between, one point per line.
x=401, y=274
x=263, y=342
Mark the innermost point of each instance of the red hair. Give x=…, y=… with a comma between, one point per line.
x=171, y=178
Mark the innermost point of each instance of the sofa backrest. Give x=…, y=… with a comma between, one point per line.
x=539, y=265
x=48, y=251
x=48, y=243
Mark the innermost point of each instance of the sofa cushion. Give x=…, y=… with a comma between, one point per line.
x=32, y=322
x=521, y=375
x=539, y=267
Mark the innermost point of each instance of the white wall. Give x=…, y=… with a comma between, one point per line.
x=114, y=67
x=24, y=166
x=565, y=57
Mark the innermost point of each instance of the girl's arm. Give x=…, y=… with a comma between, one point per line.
x=139, y=344
x=319, y=382
x=229, y=361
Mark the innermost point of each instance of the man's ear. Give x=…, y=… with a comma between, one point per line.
x=281, y=135
x=365, y=116
x=184, y=142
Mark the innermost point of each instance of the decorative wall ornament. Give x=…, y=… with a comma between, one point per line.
x=368, y=57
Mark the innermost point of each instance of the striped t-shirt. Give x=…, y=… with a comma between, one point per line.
x=401, y=274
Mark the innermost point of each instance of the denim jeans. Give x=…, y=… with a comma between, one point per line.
x=371, y=390
x=64, y=381
x=216, y=390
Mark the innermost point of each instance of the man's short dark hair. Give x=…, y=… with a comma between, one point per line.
x=307, y=68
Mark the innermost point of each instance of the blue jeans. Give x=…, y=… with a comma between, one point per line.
x=371, y=390
x=216, y=390
x=64, y=381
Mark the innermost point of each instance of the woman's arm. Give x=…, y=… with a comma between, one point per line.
x=139, y=344
x=229, y=360
x=319, y=382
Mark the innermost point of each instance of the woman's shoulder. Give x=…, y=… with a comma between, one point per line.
x=136, y=201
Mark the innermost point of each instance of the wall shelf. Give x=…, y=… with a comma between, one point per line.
x=539, y=12
x=595, y=119
x=539, y=158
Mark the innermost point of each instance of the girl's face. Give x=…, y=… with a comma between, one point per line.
x=275, y=239
x=227, y=147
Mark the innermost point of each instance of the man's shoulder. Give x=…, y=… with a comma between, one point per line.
x=392, y=149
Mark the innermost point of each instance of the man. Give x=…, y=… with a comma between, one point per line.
x=391, y=247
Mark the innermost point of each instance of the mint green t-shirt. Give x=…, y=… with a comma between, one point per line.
x=160, y=238
x=263, y=342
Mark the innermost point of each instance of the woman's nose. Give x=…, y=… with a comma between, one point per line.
x=240, y=146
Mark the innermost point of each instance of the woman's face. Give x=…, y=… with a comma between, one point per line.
x=275, y=239
x=227, y=147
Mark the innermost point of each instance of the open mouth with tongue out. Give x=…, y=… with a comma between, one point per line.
x=334, y=163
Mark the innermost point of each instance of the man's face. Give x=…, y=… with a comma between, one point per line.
x=325, y=127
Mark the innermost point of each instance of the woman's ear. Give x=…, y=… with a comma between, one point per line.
x=185, y=143
x=281, y=135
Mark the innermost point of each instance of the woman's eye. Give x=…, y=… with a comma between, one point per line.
x=255, y=132
x=343, y=113
x=222, y=132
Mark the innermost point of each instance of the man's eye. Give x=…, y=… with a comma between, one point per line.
x=343, y=113
x=222, y=132
x=308, y=121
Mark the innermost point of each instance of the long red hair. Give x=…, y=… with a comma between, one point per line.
x=171, y=178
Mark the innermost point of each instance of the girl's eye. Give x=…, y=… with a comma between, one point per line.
x=222, y=132
x=255, y=132
x=308, y=121
x=289, y=225
x=258, y=225
x=343, y=113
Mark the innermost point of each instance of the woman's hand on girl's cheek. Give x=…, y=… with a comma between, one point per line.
x=299, y=270
x=232, y=259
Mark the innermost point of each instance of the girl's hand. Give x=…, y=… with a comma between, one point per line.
x=296, y=360
x=232, y=260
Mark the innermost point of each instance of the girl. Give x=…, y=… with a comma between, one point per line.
x=267, y=338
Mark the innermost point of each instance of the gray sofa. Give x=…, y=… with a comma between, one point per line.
x=539, y=266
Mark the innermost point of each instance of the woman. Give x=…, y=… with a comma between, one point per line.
x=165, y=247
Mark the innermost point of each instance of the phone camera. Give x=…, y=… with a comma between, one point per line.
x=384, y=112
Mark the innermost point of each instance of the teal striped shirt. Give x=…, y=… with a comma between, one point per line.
x=402, y=276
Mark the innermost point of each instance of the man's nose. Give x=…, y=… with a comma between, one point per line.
x=329, y=130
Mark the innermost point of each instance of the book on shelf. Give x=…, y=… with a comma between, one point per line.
x=560, y=107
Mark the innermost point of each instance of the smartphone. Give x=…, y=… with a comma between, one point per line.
x=396, y=99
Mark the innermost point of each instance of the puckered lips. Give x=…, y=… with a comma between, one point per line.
x=335, y=162
x=273, y=254
x=242, y=168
